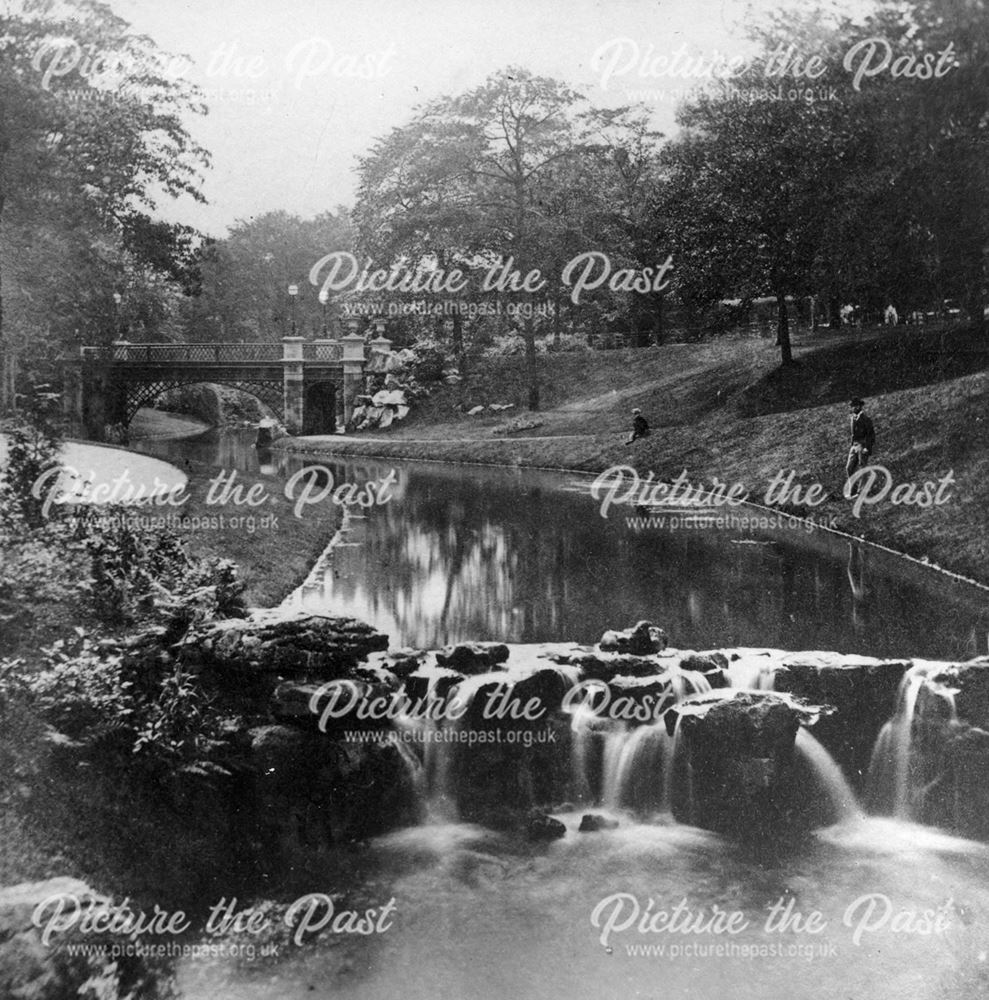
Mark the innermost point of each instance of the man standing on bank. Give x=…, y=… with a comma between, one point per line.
x=863, y=440
x=640, y=428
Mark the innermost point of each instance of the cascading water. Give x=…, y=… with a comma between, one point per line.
x=639, y=767
x=896, y=784
x=828, y=777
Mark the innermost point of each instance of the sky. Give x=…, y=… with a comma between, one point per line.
x=298, y=89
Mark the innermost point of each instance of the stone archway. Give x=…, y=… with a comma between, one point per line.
x=320, y=408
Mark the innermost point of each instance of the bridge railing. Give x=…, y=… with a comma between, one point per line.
x=185, y=352
x=322, y=350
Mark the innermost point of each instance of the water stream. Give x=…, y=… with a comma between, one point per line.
x=902, y=909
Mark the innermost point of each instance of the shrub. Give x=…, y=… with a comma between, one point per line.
x=32, y=448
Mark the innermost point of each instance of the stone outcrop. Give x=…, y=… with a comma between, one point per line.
x=276, y=643
x=739, y=758
x=473, y=657
x=33, y=970
x=642, y=639
x=862, y=690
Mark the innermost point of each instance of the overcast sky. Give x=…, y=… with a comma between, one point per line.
x=297, y=89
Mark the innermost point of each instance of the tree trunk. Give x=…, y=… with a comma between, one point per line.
x=458, y=335
x=834, y=307
x=6, y=394
x=529, y=332
x=640, y=333
x=974, y=305
x=783, y=329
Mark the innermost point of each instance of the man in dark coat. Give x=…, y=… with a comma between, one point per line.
x=863, y=439
x=640, y=428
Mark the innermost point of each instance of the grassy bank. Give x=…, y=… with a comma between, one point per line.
x=726, y=410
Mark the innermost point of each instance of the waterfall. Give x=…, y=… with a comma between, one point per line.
x=894, y=782
x=636, y=778
x=829, y=776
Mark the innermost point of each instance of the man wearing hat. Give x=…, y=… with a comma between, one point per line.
x=640, y=428
x=863, y=439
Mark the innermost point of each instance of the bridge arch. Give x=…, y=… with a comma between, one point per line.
x=268, y=393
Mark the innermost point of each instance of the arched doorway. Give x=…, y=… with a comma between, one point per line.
x=320, y=409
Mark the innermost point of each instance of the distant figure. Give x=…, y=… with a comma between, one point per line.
x=863, y=440
x=891, y=317
x=640, y=429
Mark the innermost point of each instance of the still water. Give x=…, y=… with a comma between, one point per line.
x=464, y=553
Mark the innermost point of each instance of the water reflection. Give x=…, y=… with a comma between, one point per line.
x=525, y=557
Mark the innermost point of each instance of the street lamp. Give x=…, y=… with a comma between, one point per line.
x=323, y=297
x=117, y=299
x=293, y=291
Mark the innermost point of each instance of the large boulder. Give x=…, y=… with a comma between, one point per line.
x=30, y=969
x=861, y=689
x=293, y=644
x=738, y=773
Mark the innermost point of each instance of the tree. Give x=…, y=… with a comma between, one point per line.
x=87, y=146
x=245, y=278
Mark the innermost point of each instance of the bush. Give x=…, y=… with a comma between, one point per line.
x=32, y=448
x=427, y=362
x=92, y=693
x=143, y=573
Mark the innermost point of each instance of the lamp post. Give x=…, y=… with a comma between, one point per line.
x=323, y=297
x=293, y=291
x=117, y=299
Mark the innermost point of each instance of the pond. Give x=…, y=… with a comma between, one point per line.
x=472, y=553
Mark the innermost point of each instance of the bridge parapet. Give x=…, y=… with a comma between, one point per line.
x=215, y=353
x=322, y=350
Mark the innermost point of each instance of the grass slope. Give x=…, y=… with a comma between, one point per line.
x=726, y=410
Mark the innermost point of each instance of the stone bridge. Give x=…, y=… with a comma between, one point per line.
x=310, y=385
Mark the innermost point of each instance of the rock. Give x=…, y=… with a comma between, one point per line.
x=431, y=684
x=400, y=662
x=703, y=663
x=541, y=827
x=605, y=666
x=474, y=657
x=593, y=823
x=971, y=682
x=32, y=970
x=639, y=700
x=862, y=691
x=740, y=774
x=545, y=688
x=276, y=643
x=643, y=639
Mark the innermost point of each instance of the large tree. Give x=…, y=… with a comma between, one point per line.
x=87, y=148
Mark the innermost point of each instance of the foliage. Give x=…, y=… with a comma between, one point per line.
x=32, y=448
x=245, y=279
x=125, y=701
x=519, y=169
x=148, y=573
x=87, y=152
x=427, y=362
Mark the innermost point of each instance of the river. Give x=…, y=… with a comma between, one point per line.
x=872, y=907
x=465, y=553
